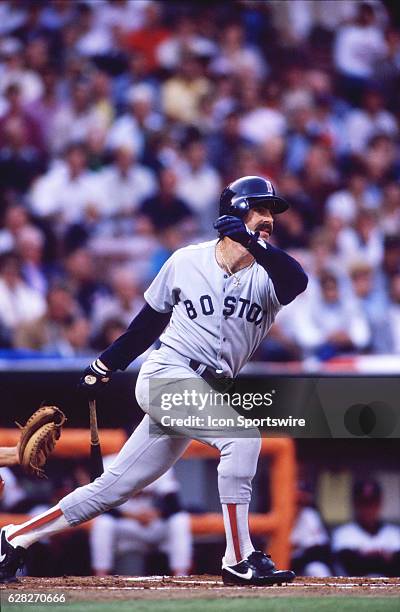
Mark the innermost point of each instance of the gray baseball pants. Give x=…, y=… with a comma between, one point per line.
x=147, y=454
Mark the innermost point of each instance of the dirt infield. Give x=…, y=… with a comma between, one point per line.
x=203, y=587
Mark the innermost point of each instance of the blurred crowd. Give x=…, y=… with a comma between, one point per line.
x=120, y=123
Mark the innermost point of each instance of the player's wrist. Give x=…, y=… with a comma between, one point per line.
x=100, y=368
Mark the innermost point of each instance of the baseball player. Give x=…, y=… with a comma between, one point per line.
x=211, y=304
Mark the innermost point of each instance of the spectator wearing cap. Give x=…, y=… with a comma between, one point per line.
x=368, y=545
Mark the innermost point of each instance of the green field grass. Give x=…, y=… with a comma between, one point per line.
x=281, y=604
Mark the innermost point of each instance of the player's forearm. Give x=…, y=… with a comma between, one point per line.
x=144, y=330
x=287, y=275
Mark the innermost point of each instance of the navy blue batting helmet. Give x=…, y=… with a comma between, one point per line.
x=248, y=192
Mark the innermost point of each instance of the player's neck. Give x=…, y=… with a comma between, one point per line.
x=233, y=254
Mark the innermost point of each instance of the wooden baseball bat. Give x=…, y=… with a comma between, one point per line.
x=96, y=459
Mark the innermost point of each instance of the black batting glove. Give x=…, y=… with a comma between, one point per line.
x=94, y=379
x=235, y=229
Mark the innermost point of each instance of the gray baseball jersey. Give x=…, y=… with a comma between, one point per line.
x=214, y=319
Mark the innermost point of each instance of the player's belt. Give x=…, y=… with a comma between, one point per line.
x=214, y=378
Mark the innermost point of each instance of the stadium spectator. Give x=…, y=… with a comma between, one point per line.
x=44, y=332
x=124, y=302
x=367, y=546
x=68, y=193
x=198, y=183
x=15, y=219
x=328, y=323
x=393, y=315
x=371, y=119
x=358, y=47
x=311, y=550
x=373, y=303
x=125, y=185
x=19, y=303
x=165, y=208
x=182, y=92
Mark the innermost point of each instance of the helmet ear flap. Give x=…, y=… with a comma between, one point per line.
x=240, y=207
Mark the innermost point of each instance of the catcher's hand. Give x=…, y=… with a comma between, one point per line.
x=38, y=438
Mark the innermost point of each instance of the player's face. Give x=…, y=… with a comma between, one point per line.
x=260, y=219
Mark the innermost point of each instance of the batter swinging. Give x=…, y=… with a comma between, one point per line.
x=212, y=303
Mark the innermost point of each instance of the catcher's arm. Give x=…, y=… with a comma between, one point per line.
x=8, y=456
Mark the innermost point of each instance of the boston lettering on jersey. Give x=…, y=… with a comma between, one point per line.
x=252, y=312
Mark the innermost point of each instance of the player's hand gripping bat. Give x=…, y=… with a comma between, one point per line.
x=96, y=459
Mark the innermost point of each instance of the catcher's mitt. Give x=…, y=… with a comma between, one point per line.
x=39, y=437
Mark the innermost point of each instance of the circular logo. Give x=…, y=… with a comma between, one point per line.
x=90, y=380
x=374, y=420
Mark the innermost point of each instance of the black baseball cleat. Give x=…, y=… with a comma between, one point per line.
x=257, y=570
x=11, y=559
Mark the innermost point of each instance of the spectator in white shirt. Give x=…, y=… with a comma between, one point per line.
x=236, y=57
x=394, y=314
x=370, y=120
x=358, y=47
x=74, y=121
x=363, y=241
x=126, y=184
x=131, y=128
x=19, y=303
x=329, y=325
x=199, y=184
x=68, y=192
x=260, y=120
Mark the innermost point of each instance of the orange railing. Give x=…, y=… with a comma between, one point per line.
x=277, y=523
